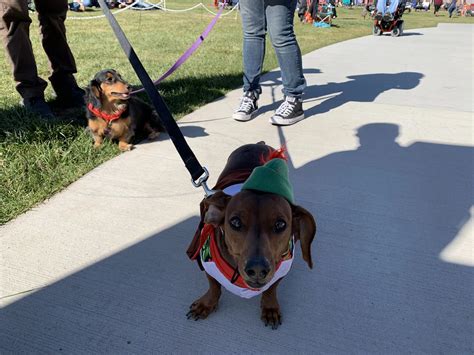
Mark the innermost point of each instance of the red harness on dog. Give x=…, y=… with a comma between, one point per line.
x=230, y=273
x=105, y=116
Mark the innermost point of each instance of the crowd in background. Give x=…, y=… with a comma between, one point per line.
x=454, y=7
x=82, y=5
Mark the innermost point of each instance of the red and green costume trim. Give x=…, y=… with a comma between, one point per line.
x=208, y=251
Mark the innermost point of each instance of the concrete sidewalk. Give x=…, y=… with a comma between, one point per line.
x=385, y=163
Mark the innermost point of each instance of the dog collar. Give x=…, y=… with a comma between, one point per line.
x=105, y=116
x=218, y=268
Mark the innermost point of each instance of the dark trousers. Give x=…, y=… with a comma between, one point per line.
x=14, y=31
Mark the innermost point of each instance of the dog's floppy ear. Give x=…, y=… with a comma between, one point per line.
x=214, y=208
x=304, y=229
x=93, y=94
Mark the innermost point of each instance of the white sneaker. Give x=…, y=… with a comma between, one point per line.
x=247, y=109
x=289, y=112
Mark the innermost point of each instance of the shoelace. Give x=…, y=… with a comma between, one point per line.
x=246, y=104
x=285, y=109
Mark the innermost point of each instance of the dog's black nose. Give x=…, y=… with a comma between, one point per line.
x=257, y=269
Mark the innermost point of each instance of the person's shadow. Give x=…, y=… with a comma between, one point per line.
x=359, y=88
x=385, y=214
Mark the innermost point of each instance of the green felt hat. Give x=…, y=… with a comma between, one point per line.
x=271, y=177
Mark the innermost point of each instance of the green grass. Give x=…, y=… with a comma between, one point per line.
x=39, y=159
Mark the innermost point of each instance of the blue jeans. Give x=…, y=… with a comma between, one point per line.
x=90, y=3
x=74, y=6
x=381, y=6
x=276, y=16
x=452, y=8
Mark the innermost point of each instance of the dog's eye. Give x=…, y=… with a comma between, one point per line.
x=279, y=226
x=235, y=223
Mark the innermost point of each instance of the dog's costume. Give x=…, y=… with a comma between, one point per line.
x=271, y=177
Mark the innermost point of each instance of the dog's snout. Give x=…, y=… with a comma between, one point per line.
x=257, y=269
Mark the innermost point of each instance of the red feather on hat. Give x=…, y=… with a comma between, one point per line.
x=276, y=154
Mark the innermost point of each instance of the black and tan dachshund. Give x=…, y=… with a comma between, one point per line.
x=113, y=113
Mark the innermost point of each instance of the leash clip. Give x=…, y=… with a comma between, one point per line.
x=202, y=182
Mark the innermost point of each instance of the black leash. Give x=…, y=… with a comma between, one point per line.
x=199, y=174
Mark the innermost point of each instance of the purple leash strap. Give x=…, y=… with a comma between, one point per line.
x=188, y=52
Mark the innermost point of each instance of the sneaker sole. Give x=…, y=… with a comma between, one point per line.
x=278, y=121
x=246, y=118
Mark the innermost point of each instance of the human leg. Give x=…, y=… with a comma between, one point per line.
x=381, y=6
x=451, y=8
x=280, y=15
x=333, y=7
x=90, y=3
x=15, y=30
x=393, y=6
x=51, y=15
x=254, y=29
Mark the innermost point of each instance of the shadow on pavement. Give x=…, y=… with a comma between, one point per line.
x=359, y=88
x=385, y=213
x=273, y=80
x=407, y=34
x=193, y=131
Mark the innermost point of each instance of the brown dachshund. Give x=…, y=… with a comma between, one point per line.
x=245, y=241
x=112, y=113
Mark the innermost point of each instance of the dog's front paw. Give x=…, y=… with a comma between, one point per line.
x=271, y=316
x=125, y=147
x=98, y=139
x=201, y=308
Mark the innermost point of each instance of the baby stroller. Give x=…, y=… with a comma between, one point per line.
x=394, y=25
